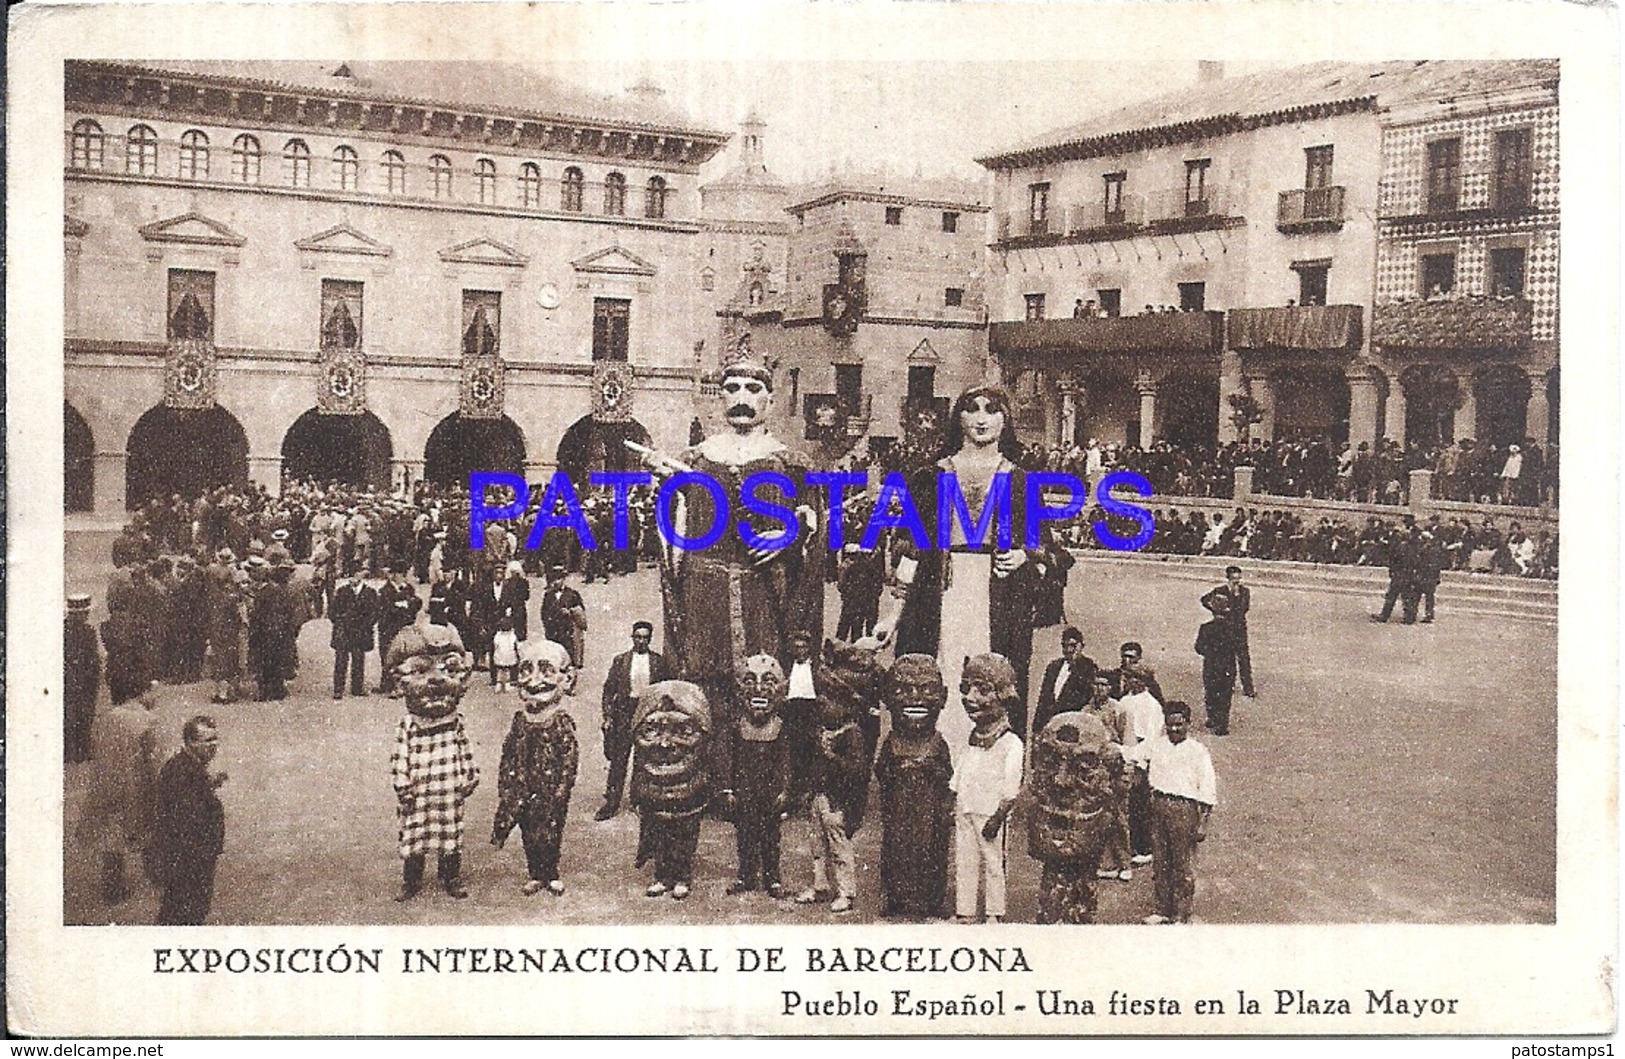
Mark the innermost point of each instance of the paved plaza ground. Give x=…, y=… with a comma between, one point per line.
x=1385, y=774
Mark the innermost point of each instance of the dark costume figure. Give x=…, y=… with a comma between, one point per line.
x=1075, y=774
x=852, y=676
x=188, y=828
x=912, y=775
x=758, y=781
x=1216, y=643
x=671, y=780
x=81, y=677
x=539, y=760
x=432, y=768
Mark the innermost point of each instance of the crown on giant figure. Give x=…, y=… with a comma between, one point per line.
x=741, y=361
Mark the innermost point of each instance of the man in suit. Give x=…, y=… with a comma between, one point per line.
x=564, y=616
x=189, y=826
x=629, y=674
x=516, y=601
x=1239, y=600
x=354, y=613
x=1132, y=659
x=1067, y=681
x=394, y=614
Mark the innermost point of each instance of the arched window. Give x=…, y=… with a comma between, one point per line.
x=89, y=144
x=296, y=159
x=440, y=175
x=485, y=180
x=570, y=190
x=615, y=194
x=654, y=198
x=194, y=156
x=245, y=159
x=141, y=151
x=395, y=172
x=530, y=186
x=346, y=168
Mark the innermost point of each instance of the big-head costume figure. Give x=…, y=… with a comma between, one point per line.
x=913, y=772
x=433, y=767
x=671, y=780
x=539, y=761
x=1075, y=773
x=757, y=791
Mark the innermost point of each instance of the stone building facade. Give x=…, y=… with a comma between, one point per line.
x=879, y=317
x=1204, y=263
x=370, y=273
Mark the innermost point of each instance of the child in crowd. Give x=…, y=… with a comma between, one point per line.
x=504, y=654
x=987, y=779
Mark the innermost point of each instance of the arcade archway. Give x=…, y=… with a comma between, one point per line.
x=1188, y=411
x=78, y=462
x=185, y=451
x=352, y=449
x=590, y=446
x=1311, y=403
x=459, y=446
x=1503, y=404
x=1432, y=398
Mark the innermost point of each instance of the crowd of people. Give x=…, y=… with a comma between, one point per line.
x=1464, y=470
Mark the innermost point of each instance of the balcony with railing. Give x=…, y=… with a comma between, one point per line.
x=1296, y=328
x=1200, y=333
x=1181, y=209
x=1467, y=324
x=1310, y=210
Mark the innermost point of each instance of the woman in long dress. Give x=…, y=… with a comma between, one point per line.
x=972, y=598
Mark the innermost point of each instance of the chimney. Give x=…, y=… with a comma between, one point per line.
x=1207, y=71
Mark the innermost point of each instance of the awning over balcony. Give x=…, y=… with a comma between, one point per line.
x=1296, y=327
x=1198, y=333
x=1454, y=324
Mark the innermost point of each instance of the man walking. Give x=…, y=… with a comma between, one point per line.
x=189, y=826
x=1184, y=790
x=1216, y=643
x=629, y=674
x=1240, y=602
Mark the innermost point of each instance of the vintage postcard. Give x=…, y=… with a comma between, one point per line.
x=873, y=519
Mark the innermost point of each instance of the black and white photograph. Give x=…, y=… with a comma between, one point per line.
x=1161, y=531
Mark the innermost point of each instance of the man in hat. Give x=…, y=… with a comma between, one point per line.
x=738, y=597
x=394, y=614
x=81, y=677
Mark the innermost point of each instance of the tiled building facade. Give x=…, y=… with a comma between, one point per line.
x=1159, y=268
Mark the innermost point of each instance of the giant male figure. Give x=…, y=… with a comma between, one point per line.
x=730, y=600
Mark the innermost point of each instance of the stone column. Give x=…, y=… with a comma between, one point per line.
x=1421, y=487
x=108, y=470
x=1263, y=391
x=267, y=471
x=1146, y=386
x=1393, y=419
x=1069, y=417
x=1362, y=408
x=1465, y=424
x=1537, y=420
x=1243, y=484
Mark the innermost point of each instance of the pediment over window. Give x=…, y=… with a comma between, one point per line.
x=484, y=252
x=73, y=227
x=614, y=261
x=344, y=239
x=924, y=353
x=191, y=228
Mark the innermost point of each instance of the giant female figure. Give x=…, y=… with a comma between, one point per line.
x=973, y=597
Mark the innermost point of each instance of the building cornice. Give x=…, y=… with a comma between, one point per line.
x=314, y=109
x=1130, y=141
x=1525, y=97
x=829, y=198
